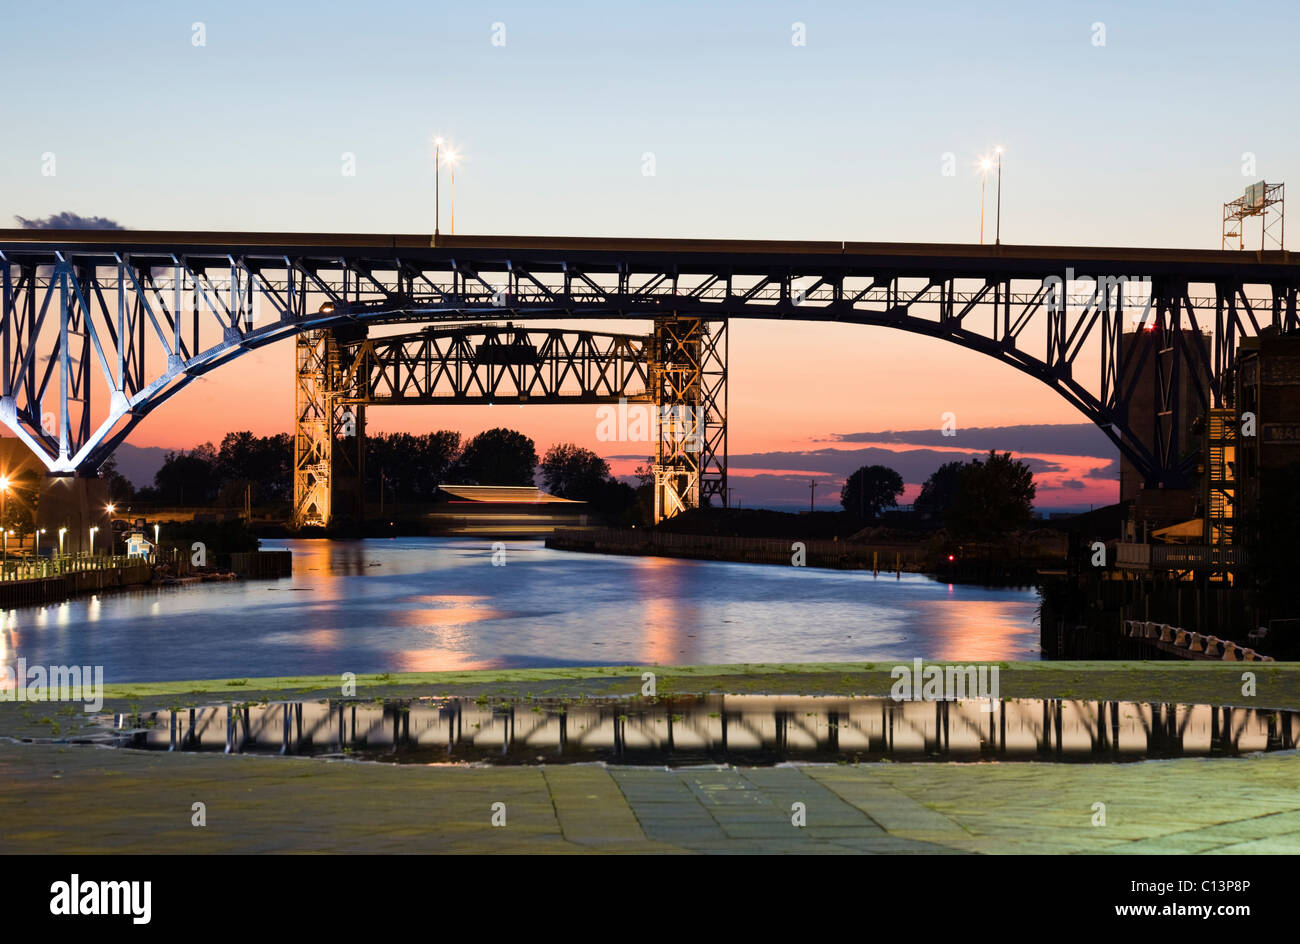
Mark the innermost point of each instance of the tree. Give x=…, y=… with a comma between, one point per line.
x=498, y=457
x=188, y=478
x=870, y=490
x=994, y=495
x=570, y=471
x=409, y=467
x=939, y=489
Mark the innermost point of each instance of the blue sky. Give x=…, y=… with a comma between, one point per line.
x=1137, y=141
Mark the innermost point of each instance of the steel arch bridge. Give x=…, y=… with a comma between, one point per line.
x=102, y=327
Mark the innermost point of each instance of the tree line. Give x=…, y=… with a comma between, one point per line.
x=993, y=494
x=407, y=467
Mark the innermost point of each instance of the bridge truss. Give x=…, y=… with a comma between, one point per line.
x=679, y=370
x=100, y=328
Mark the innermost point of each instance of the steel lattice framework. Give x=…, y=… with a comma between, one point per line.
x=102, y=327
x=341, y=371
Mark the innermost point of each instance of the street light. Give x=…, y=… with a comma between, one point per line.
x=451, y=162
x=998, y=231
x=62, y=532
x=39, y=532
x=4, y=499
x=437, y=181
x=985, y=165
x=92, y=540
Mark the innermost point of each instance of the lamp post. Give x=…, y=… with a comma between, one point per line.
x=437, y=181
x=62, y=532
x=451, y=162
x=4, y=502
x=92, y=540
x=998, y=230
x=39, y=532
x=985, y=164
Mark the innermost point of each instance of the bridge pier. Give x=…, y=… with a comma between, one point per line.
x=329, y=430
x=688, y=383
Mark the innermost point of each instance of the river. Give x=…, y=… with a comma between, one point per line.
x=430, y=604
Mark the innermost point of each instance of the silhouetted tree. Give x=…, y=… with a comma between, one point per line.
x=188, y=478
x=939, y=490
x=497, y=457
x=870, y=490
x=570, y=471
x=410, y=466
x=994, y=495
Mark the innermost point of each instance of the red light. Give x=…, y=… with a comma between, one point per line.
x=951, y=558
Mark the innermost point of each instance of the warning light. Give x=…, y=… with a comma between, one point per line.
x=951, y=558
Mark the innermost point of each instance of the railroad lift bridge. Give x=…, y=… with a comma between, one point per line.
x=101, y=327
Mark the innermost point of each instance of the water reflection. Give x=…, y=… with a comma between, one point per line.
x=425, y=604
x=738, y=729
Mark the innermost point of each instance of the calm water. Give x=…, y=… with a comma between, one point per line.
x=733, y=729
x=427, y=604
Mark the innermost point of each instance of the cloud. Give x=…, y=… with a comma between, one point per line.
x=66, y=220
x=1058, y=439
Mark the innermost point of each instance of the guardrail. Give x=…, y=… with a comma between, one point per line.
x=37, y=568
x=1192, y=645
x=1179, y=556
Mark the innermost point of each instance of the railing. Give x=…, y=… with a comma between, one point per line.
x=1179, y=556
x=57, y=565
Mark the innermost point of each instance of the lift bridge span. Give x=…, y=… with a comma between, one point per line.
x=101, y=327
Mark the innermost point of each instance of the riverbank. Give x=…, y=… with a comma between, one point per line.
x=978, y=564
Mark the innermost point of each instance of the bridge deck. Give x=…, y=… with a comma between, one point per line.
x=1200, y=262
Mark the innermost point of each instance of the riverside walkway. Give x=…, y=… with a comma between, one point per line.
x=85, y=800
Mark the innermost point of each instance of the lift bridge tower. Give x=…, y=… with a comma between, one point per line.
x=679, y=371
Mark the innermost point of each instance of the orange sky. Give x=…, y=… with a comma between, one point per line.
x=793, y=387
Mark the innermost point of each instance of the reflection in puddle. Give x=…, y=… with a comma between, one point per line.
x=736, y=729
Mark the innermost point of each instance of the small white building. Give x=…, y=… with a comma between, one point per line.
x=137, y=545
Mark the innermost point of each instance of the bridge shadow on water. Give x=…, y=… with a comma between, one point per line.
x=712, y=729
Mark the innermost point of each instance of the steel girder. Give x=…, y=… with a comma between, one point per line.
x=142, y=317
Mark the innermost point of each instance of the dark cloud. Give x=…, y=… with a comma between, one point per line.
x=68, y=220
x=1062, y=439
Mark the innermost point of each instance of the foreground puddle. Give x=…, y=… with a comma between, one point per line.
x=717, y=729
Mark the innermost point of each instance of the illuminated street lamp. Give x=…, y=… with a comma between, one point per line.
x=39, y=532
x=92, y=540
x=62, y=532
x=4, y=498
x=997, y=238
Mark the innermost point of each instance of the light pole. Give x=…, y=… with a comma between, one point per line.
x=998, y=231
x=451, y=162
x=4, y=499
x=39, y=532
x=62, y=532
x=437, y=182
x=985, y=164
x=92, y=540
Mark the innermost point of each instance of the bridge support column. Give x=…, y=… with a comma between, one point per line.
x=688, y=381
x=329, y=433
